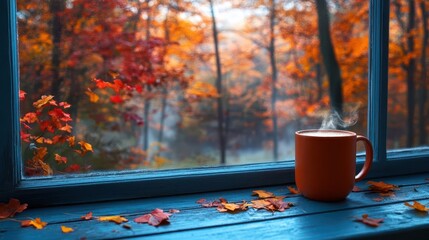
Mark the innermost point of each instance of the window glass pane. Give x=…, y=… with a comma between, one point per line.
x=149, y=84
x=408, y=63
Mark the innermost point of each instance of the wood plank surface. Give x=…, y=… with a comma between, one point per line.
x=307, y=219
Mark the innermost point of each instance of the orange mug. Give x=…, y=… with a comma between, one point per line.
x=325, y=163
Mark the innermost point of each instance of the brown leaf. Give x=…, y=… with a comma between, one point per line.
x=87, y=216
x=262, y=194
x=233, y=207
x=417, y=206
x=36, y=223
x=201, y=201
x=378, y=199
x=373, y=222
x=155, y=218
x=381, y=187
x=208, y=204
x=293, y=190
x=11, y=208
x=356, y=189
x=116, y=219
x=65, y=229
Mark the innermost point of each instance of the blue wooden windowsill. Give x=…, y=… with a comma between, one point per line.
x=306, y=220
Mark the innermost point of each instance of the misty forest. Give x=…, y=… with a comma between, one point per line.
x=165, y=84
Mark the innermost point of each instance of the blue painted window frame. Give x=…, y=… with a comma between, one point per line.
x=135, y=184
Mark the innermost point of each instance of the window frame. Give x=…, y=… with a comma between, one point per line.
x=136, y=184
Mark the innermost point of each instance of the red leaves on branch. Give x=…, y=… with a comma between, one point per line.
x=373, y=222
x=11, y=208
x=60, y=159
x=21, y=95
x=116, y=99
x=155, y=218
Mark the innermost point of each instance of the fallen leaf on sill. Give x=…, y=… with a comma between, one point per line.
x=65, y=229
x=417, y=206
x=36, y=223
x=381, y=187
x=87, y=216
x=388, y=194
x=116, y=219
x=155, y=218
x=262, y=194
x=293, y=190
x=272, y=204
x=11, y=208
x=373, y=222
x=201, y=201
x=173, y=211
x=378, y=199
x=233, y=207
x=356, y=189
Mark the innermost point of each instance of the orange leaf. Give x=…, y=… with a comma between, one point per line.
x=155, y=218
x=66, y=128
x=11, y=208
x=65, y=229
x=86, y=147
x=71, y=141
x=30, y=117
x=263, y=194
x=293, y=190
x=373, y=222
x=417, y=206
x=87, y=216
x=115, y=219
x=43, y=101
x=92, y=96
x=60, y=159
x=381, y=187
x=36, y=223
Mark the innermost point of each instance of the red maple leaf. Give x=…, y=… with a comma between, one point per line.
x=11, y=208
x=116, y=99
x=155, y=218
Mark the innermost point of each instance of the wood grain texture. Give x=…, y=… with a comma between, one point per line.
x=306, y=220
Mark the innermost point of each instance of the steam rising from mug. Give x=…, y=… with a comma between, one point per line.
x=334, y=120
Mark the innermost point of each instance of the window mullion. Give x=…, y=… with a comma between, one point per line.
x=10, y=165
x=378, y=66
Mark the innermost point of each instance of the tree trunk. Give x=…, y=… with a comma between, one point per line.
x=164, y=88
x=329, y=60
x=410, y=70
x=147, y=102
x=56, y=7
x=272, y=53
x=221, y=132
x=422, y=87
x=319, y=82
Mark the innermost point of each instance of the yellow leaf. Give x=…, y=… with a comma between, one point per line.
x=65, y=229
x=36, y=223
x=43, y=101
x=86, y=147
x=417, y=206
x=263, y=194
x=115, y=219
x=92, y=96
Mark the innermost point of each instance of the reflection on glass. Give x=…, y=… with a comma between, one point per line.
x=408, y=61
x=148, y=84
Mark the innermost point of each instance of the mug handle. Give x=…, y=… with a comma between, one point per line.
x=368, y=159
